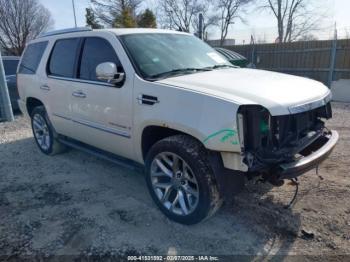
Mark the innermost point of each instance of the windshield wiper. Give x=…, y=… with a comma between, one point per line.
x=178, y=71
x=221, y=66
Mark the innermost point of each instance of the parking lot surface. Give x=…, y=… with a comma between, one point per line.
x=76, y=204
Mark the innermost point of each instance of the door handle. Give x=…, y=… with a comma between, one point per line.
x=79, y=94
x=45, y=88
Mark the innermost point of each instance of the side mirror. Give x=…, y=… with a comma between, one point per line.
x=108, y=72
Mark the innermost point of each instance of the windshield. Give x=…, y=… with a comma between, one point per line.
x=10, y=66
x=164, y=55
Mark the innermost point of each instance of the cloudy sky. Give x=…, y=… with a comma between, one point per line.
x=262, y=25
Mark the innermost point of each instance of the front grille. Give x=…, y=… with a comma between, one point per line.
x=289, y=130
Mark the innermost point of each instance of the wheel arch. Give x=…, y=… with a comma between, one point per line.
x=153, y=133
x=32, y=103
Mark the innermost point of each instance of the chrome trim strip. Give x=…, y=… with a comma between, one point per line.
x=60, y=116
x=81, y=81
x=311, y=105
x=96, y=126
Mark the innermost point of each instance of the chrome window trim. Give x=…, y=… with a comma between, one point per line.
x=80, y=81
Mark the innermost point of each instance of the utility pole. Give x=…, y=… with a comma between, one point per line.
x=333, y=57
x=75, y=17
x=200, y=26
x=5, y=102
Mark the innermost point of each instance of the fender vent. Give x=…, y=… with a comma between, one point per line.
x=147, y=100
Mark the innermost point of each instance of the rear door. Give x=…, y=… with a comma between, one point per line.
x=59, y=84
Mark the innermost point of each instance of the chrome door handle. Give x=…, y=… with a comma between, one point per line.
x=79, y=94
x=45, y=88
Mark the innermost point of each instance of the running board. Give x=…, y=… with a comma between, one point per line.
x=120, y=161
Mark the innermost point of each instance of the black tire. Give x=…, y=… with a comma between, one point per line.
x=195, y=155
x=54, y=146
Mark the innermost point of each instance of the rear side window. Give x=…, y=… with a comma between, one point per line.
x=63, y=56
x=10, y=67
x=96, y=51
x=31, y=58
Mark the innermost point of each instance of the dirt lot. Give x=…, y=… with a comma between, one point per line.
x=75, y=204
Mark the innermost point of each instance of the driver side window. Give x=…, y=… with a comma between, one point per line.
x=96, y=51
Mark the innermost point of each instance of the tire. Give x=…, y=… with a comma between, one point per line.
x=44, y=134
x=181, y=180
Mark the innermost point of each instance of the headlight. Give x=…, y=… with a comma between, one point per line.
x=254, y=123
x=328, y=98
x=309, y=106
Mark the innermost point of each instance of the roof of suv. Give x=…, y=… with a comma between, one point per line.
x=128, y=31
x=116, y=31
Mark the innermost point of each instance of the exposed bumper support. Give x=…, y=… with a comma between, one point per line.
x=299, y=167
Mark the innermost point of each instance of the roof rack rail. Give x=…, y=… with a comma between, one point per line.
x=65, y=31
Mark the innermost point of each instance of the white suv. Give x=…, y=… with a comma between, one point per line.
x=169, y=102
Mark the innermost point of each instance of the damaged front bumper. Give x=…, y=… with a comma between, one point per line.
x=310, y=159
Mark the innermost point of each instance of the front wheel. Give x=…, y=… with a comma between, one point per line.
x=181, y=181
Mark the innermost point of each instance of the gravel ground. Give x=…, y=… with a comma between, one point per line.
x=76, y=204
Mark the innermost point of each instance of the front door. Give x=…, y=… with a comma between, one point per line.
x=101, y=112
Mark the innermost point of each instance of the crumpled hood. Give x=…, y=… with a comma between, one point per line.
x=275, y=91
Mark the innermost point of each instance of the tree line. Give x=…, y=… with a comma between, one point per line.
x=23, y=20
x=295, y=19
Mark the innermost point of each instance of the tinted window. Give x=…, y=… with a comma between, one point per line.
x=62, y=60
x=95, y=52
x=10, y=67
x=31, y=58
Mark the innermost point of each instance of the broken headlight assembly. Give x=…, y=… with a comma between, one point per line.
x=268, y=141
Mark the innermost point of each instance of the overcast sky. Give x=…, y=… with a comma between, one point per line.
x=259, y=24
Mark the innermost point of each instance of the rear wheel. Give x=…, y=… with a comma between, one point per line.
x=181, y=181
x=44, y=133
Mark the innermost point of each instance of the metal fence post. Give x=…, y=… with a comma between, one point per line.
x=252, y=43
x=5, y=102
x=332, y=59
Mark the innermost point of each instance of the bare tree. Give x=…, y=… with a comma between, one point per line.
x=180, y=14
x=229, y=10
x=295, y=18
x=21, y=21
x=109, y=11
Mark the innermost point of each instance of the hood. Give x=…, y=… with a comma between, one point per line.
x=275, y=91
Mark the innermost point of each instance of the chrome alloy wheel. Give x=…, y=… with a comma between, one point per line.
x=41, y=132
x=174, y=183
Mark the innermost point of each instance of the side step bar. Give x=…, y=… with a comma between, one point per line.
x=120, y=161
